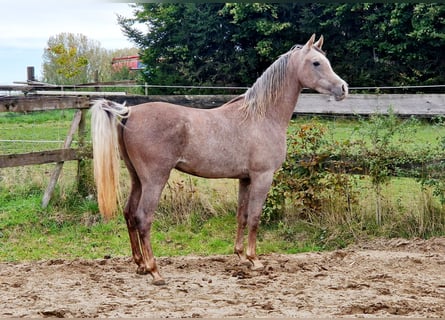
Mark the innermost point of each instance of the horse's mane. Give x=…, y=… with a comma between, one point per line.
x=268, y=86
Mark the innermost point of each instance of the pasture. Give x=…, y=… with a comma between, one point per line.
x=69, y=250
x=196, y=216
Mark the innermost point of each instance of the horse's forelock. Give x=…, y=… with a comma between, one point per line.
x=319, y=50
x=299, y=46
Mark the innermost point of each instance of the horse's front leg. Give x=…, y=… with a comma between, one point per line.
x=149, y=265
x=259, y=188
x=241, y=214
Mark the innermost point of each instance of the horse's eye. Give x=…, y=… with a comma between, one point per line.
x=316, y=63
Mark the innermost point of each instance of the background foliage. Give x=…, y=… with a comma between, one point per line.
x=375, y=44
x=324, y=178
x=75, y=59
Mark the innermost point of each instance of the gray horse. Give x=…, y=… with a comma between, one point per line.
x=244, y=139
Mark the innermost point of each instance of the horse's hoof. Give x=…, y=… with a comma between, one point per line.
x=246, y=263
x=256, y=265
x=142, y=271
x=159, y=282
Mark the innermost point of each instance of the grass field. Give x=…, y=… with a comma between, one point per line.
x=195, y=215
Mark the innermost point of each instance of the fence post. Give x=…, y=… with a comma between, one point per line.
x=96, y=79
x=56, y=173
x=30, y=74
x=85, y=183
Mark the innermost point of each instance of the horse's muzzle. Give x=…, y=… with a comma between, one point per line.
x=341, y=92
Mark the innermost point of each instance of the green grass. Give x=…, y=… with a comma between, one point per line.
x=39, y=131
x=342, y=129
x=36, y=117
x=70, y=227
x=28, y=232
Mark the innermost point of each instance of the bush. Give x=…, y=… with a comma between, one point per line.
x=304, y=183
x=322, y=181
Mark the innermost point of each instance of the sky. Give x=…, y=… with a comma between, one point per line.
x=26, y=26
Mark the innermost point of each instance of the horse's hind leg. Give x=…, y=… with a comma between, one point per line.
x=129, y=213
x=132, y=203
x=144, y=215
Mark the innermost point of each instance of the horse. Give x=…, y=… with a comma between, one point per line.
x=243, y=139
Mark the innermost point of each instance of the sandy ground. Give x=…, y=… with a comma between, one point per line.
x=383, y=278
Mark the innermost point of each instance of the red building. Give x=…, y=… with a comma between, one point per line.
x=131, y=62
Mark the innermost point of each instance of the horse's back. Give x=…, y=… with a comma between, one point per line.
x=198, y=141
x=213, y=143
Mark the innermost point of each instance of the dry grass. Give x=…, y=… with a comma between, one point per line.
x=408, y=210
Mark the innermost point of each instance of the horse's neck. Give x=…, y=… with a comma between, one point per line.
x=283, y=108
x=280, y=112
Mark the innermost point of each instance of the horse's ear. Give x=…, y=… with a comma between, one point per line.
x=310, y=43
x=319, y=43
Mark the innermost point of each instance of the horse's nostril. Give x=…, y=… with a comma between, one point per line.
x=343, y=88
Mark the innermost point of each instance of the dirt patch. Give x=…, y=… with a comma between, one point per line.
x=383, y=278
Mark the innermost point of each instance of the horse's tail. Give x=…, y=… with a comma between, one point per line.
x=105, y=120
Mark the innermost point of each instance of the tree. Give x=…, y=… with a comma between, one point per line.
x=70, y=63
x=369, y=44
x=184, y=45
x=382, y=44
x=68, y=59
x=260, y=32
x=206, y=43
x=75, y=59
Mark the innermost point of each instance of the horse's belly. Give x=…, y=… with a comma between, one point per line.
x=213, y=167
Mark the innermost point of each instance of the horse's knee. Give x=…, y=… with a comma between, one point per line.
x=253, y=222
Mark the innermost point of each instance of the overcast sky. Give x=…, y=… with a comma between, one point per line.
x=26, y=26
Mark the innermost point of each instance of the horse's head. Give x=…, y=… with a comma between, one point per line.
x=315, y=71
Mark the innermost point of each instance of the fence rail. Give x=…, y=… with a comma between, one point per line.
x=43, y=157
x=423, y=105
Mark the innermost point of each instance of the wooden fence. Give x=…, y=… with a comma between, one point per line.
x=421, y=105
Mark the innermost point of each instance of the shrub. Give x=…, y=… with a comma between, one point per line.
x=322, y=181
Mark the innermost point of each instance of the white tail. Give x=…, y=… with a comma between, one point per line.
x=105, y=119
